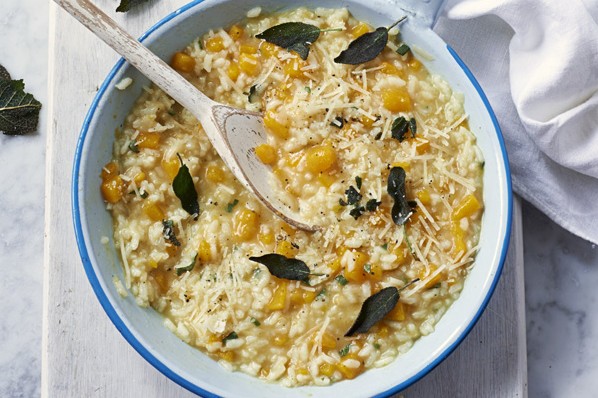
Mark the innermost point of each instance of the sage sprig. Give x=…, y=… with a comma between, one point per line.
x=293, y=36
x=184, y=189
x=284, y=267
x=19, y=110
x=401, y=210
x=366, y=47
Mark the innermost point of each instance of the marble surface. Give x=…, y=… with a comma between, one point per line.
x=561, y=270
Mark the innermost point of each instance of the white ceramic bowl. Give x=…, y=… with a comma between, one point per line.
x=143, y=328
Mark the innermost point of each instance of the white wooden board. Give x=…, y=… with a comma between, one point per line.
x=83, y=353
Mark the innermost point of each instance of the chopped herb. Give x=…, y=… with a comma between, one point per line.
x=231, y=336
x=345, y=350
x=403, y=49
x=338, y=122
x=357, y=212
x=376, y=346
x=341, y=280
x=143, y=194
x=19, y=111
x=284, y=267
x=378, y=136
x=133, y=146
x=374, y=308
x=254, y=94
x=184, y=189
x=126, y=5
x=168, y=232
x=171, y=112
x=292, y=36
x=372, y=205
x=367, y=268
x=358, y=182
x=231, y=205
x=342, y=202
x=353, y=196
x=321, y=295
x=401, y=210
x=413, y=127
x=255, y=321
x=308, y=89
x=385, y=246
x=188, y=268
x=366, y=47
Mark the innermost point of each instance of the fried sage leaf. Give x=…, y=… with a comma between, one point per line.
x=374, y=308
x=399, y=128
x=187, y=268
x=292, y=36
x=126, y=5
x=184, y=189
x=366, y=47
x=19, y=111
x=168, y=232
x=284, y=267
x=401, y=210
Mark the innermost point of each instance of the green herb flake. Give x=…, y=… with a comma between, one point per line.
x=367, y=268
x=385, y=246
x=231, y=205
x=353, y=195
x=133, y=146
x=321, y=295
x=143, y=194
x=184, y=189
x=341, y=280
x=19, y=111
x=292, y=36
x=345, y=350
x=358, y=182
x=413, y=127
x=284, y=267
x=376, y=346
x=403, y=49
x=231, y=336
x=188, y=268
x=308, y=89
x=366, y=47
x=255, y=321
x=357, y=212
x=401, y=210
x=168, y=232
x=372, y=205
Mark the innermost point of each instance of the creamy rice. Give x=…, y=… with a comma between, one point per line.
x=330, y=130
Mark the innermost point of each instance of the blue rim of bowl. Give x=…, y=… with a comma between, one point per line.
x=140, y=348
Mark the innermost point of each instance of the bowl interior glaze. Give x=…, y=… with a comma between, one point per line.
x=143, y=327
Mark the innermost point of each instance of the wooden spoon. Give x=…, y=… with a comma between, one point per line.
x=233, y=132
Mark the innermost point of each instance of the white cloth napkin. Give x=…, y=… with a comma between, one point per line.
x=537, y=61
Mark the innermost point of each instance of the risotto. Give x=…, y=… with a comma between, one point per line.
x=377, y=153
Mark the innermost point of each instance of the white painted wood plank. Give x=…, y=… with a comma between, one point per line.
x=85, y=356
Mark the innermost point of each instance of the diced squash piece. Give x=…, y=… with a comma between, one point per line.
x=182, y=62
x=246, y=224
x=366, y=121
x=235, y=32
x=326, y=180
x=214, y=44
x=458, y=238
x=269, y=49
x=228, y=356
x=148, y=140
x=171, y=167
x=327, y=369
x=139, y=177
x=277, y=128
x=215, y=173
x=424, y=196
x=280, y=339
x=112, y=189
x=249, y=64
x=204, y=251
x=302, y=371
x=422, y=146
x=396, y=99
x=285, y=248
x=335, y=265
x=350, y=372
x=373, y=271
x=302, y=296
x=383, y=332
x=320, y=158
x=293, y=67
x=328, y=341
x=247, y=49
x=267, y=238
x=467, y=207
x=360, y=29
x=110, y=170
x=153, y=211
x=279, y=297
x=233, y=71
x=397, y=313
x=438, y=278
x=414, y=64
x=354, y=271
x=266, y=153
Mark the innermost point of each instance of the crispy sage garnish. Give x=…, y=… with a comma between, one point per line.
x=184, y=189
x=292, y=36
x=401, y=210
x=126, y=5
x=187, y=268
x=366, y=47
x=400, y=127
x=19, y=111
x=375, y=308
x=168, y=232
x=284, y=267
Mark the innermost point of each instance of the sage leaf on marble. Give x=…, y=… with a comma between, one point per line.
x=401, y=210
x=284, y=267
x=19, y=111
x=366, y=47
x=184, y=189
x=292, y=36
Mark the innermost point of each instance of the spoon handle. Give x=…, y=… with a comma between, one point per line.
x=138, y=55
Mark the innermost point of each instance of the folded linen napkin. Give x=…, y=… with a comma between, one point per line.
x=537, y=61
